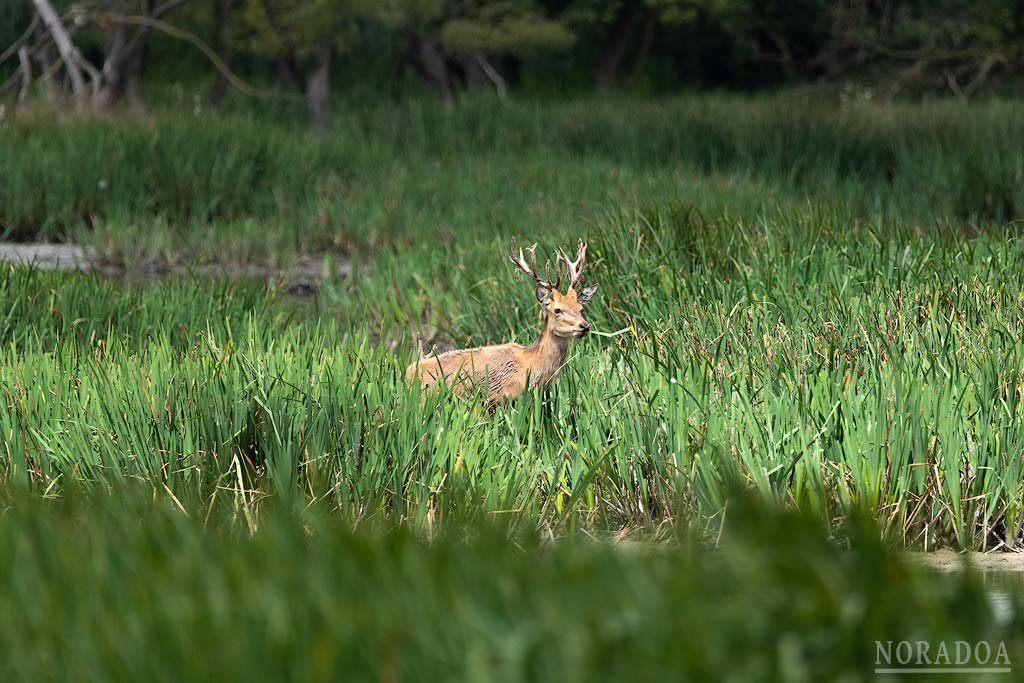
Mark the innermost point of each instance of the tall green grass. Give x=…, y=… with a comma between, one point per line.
x=828, y=367
x=175, y=182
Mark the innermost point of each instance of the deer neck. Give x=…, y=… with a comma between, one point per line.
x=547, y=354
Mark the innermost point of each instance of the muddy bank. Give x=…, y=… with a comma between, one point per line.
x=47, y=256
x=949, y=561
x=304, y=272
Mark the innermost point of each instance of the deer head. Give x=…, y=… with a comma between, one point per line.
x=564, y=311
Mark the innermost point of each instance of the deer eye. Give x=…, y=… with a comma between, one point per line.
x=558, y=311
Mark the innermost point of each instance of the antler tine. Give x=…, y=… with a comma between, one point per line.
x=519, y=261
x=558, y=274
x=531, y=268
x=575, y=268
x=532, y=251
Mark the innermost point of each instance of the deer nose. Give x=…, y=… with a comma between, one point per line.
x=584, y=326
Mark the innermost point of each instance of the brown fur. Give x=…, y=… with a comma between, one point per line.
x=507, y=369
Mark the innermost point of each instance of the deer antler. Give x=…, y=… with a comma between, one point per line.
x=531, y=268
x=574, y=268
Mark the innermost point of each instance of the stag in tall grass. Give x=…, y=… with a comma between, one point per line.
x=506, y=370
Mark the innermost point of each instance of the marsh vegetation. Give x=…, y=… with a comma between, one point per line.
x=814, y=313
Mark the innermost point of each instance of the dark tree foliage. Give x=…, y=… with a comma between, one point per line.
x=957, y=47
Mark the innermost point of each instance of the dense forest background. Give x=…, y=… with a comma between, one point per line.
x=107, y=52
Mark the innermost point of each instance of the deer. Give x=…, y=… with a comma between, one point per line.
x=507, y=370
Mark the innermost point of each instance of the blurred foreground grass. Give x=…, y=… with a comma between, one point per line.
x=119, y=587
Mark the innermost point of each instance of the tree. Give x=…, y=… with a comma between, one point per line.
x=932, y=44
x=500, y=30
x=223, y=12
x=118, y=30
x=126, y=24
x=624, y=31
x=456, y=45
x=304, y=36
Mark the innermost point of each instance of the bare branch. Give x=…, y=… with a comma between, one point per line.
x=984, y=70
x=492, y=73
x=22, y=40
x=188, y=37
x=159, y=12
x=166, y=7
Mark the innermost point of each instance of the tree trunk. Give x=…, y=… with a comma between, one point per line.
x=492, y=74
x=114, y=68
x=46, y=59
x=220, y=87
x=318, y=90
x=618, y=40
x=288, y=72
x=472, y=71
x=133, y=75
x=25, y=67
x=65, y=47
x=645, y=47
x=428, y=58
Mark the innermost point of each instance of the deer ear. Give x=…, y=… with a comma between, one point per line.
x=543, y=294
x=587, y=294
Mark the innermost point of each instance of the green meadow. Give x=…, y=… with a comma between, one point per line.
x=809, y=357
